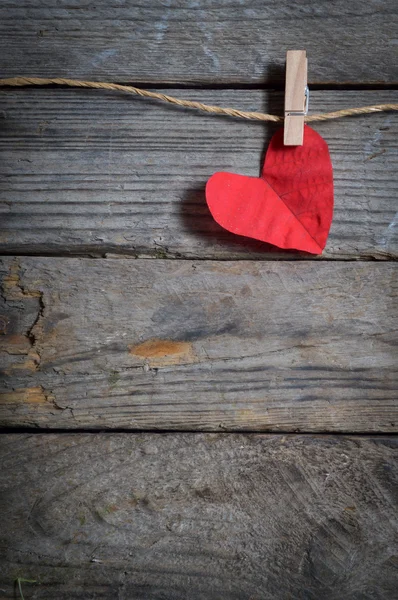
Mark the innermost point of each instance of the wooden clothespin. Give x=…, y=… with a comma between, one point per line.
x=296, y=97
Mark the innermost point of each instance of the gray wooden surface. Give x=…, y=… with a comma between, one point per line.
x=160, y=344
x=205, y=517
x=203, y=341
x=86, y=171
x=204, y=41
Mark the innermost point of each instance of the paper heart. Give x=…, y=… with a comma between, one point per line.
x=289, y=206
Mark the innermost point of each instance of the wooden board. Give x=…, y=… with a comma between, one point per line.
x=92, y=172
x=212, y=41
x=206, y=345
x=205, y=517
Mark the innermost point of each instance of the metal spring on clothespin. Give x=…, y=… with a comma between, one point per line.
x=302, y=113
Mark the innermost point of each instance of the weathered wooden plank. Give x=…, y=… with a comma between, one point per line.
x=159, y=344
x=212, y=41
x=93, y=172
x=205, y=517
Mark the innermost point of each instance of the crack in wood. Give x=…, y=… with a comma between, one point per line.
x=13, y=293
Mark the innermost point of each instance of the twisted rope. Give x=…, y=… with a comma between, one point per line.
x=208, y=108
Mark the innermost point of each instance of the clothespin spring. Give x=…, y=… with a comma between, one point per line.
x=301, y=113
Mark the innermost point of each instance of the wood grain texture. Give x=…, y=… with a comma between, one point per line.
x=206, y=345
x=212, y=41
x=88, y=172
x=205, y=517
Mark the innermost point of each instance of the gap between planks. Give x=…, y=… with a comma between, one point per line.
x=196, y=432
x=104, y=253
x=236, y=86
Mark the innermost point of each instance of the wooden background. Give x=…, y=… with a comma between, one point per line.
x=249, y=395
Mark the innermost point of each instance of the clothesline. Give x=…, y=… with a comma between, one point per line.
x=217, y=110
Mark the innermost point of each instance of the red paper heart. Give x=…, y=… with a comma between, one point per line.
x=289, y=206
